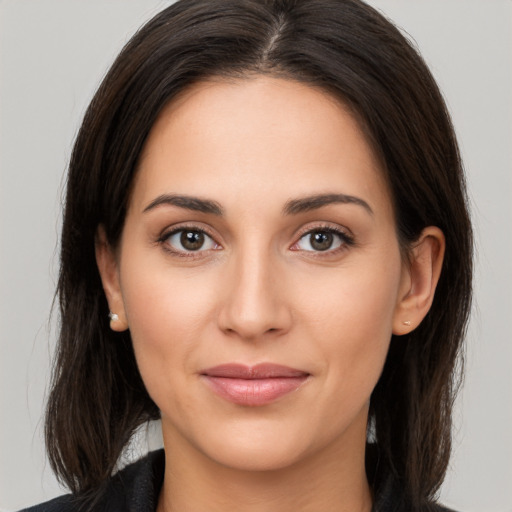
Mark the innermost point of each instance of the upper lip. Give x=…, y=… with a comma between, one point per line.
x=259, y=371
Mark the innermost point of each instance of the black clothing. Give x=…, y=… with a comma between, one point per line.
x=133, y=489
x=136, y=489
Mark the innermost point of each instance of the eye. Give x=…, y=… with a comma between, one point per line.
x=321, y=240
x=189, y=240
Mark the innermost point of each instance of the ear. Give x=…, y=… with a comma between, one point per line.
x=420, y=276
x=109, y=273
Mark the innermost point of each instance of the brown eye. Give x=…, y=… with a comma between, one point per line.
x=192, y=240
x=321, y=241
x=189, y=240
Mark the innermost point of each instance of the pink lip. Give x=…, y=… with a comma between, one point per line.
x=253, y=385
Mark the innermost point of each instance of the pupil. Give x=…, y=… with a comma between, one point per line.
x=192, y=240
x=321, y=241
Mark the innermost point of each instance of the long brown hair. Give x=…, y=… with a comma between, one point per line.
x=347, y=48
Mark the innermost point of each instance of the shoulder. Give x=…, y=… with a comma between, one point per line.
x=394, y=502
x=61, y=504
x=135, y=488
x=436, y=507
x=388, y=492
x=441, y=508
x=391, y=498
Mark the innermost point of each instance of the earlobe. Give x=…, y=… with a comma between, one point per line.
x=419, y=281
x=108, y=269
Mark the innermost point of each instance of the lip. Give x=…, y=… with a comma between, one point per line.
x=253, y=385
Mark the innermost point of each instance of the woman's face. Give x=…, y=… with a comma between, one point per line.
x=259, y=273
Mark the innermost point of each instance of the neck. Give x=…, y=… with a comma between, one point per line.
x=333, y=481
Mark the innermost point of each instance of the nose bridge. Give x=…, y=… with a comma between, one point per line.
x=254, y=303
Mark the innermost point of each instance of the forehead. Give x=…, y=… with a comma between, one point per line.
x=263, y=135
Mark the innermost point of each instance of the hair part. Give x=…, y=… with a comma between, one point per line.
x=346, y=48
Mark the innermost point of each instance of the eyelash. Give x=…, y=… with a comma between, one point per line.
x=163, y=240
x=345, y=239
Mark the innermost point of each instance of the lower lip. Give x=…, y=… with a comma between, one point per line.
x=254, y=392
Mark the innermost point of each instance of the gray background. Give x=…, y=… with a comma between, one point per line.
x=53, y=54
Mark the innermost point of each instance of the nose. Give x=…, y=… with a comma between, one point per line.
x=255, y=300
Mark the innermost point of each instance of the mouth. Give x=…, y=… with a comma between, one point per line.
x=253, y=385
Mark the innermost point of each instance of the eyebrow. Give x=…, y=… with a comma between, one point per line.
x=187, y=202
x=292, y=207
x=306, y=204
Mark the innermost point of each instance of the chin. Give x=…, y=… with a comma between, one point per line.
x=271, y=438
x=271, y=445
x=257, y=456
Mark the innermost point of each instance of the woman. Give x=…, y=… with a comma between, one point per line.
x=266, y=245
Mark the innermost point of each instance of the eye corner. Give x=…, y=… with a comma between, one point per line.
x=331, y=241
x=188, y=241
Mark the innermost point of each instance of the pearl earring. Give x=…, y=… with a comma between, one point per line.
x=113, y=317
x=407, y=322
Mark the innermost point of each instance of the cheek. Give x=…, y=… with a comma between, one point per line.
x=166, y=313
x=355, y=300
x=352, y=322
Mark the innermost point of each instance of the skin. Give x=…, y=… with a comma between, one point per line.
x=258, y=291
